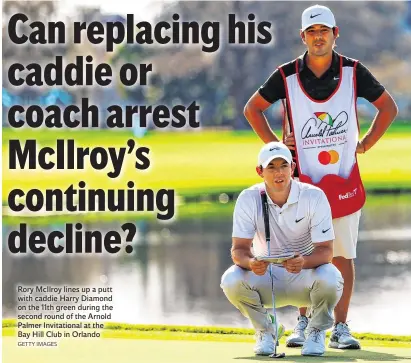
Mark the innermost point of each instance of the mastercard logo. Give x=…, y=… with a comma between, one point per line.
x=328, y=157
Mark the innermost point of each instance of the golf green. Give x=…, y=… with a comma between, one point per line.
x=181, y=351
x=186, y=344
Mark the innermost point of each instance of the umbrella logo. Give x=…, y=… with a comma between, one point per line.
x=324, y=117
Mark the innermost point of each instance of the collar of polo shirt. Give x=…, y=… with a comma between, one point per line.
x=292, y=198
x=302, y=62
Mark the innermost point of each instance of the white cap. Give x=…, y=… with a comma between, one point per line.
x=317, y=14
x=274, y=150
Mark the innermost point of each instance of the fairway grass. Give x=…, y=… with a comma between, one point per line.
x=195, y=163
x=181, y=347
x=188, y=211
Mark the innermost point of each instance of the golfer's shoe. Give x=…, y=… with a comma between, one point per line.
x=341, y=338
x=265, y=341
x=297, y=338
x=314, y=343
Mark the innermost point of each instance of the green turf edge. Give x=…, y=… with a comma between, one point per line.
x=122, y=327
x=232, y=338
x=400, y=127
x=206, y=337
x=204, y=210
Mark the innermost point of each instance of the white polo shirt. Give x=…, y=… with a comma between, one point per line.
x=303, y=220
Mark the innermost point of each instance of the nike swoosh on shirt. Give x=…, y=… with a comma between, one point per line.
x=298, y=220
x=326, y=230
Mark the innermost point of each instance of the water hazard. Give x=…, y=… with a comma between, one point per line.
x=174, y=275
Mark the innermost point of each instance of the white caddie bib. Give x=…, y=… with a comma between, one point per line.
x=326, y=136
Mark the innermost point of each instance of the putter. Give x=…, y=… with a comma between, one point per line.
x=275, y=354
x=267, y=239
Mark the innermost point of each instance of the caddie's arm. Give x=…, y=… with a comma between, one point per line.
x=254, y=113
x=387, y=111
x=270, y=92
x=242, y=256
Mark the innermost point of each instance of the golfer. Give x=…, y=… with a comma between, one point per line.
x=320, y=89
x=300, y=223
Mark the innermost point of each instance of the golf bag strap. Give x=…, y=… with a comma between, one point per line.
x=265, y=214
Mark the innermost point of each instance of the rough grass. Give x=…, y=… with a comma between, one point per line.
x=196, y=162
x=201, y=209
x=169, y=330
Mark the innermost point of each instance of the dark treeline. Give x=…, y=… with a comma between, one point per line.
x=376, y=33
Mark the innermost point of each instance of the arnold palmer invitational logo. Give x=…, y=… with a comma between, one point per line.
x=322, y=129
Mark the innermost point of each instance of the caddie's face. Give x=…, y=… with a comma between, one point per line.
x=319, y=39
x=277, y=174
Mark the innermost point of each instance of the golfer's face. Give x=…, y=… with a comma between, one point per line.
x=319, y=39
x=277, y=174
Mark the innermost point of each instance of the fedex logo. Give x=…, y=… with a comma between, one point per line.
x=348, y=195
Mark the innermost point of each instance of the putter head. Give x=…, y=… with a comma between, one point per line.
x=277, y=355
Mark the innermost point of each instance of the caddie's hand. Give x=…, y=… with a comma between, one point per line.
x=258, y=267
x=290, y=141
x=360, y=148
x=294, y=265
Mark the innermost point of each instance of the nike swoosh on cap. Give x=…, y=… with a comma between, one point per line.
x=313, y=16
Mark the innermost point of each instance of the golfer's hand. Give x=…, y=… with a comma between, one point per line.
x=258, y=267
x=360, y=148
x=290, y=141
x=294, y=265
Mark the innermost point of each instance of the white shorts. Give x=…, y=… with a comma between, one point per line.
x=346, y=235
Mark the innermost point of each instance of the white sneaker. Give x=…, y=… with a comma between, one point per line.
x=341, y=338
x=297, y=338
x=265, y=341
x=314, y=343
